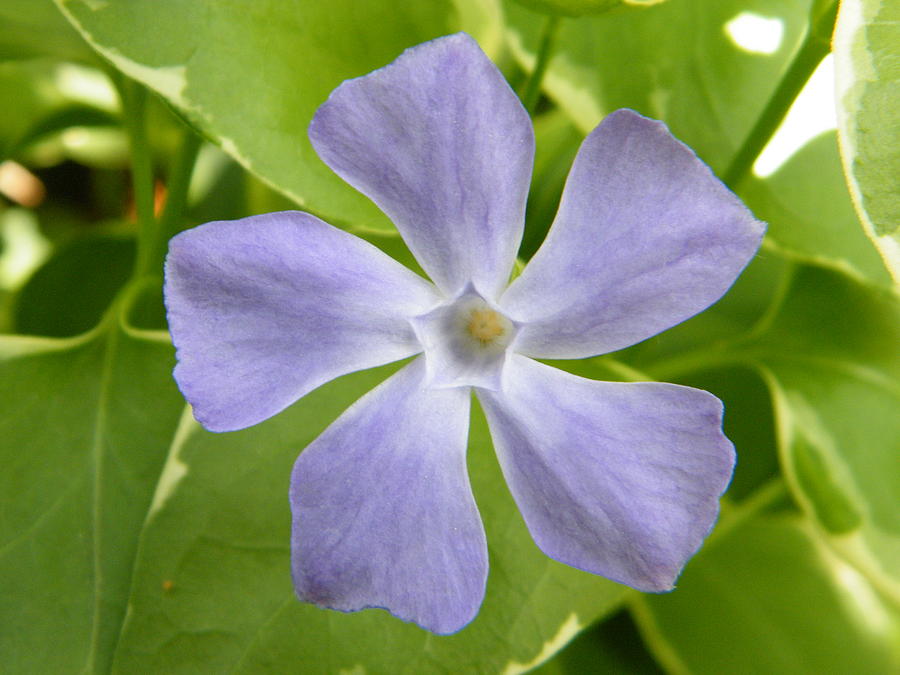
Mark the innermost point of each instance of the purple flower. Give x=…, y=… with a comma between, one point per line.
x=618, y=479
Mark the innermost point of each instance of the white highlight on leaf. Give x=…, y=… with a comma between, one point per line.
x=563, y=636
x=85, y=85
x=860, y=598
x=170, y=81
x=856, y=591
x=810, y=114
x=565, y=81
x=175, y=468
x=96, y=5
x=754, y=33
x=23, y=246
x=355, y=670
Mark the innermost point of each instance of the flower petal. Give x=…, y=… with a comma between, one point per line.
x=646, y=237
x=441, y=144
x=618, y=479
x=383, y=511
x=264, y=309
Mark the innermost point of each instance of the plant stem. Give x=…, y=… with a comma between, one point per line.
x=532, y=92
x=134, y=99
x=177, y=188
x=815, y=47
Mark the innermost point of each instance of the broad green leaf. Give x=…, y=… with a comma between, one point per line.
x=831, y=358
x=674, y=61
x=810, y=214
x=35, y=28
x=766, y=598
x=212, y=584
x=581, y=7
x=252, y=75
x=85, y=427
x=868, y=94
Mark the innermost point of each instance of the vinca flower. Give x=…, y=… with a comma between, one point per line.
x=618, y=479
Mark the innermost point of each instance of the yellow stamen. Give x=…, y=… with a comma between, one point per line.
x=485, y=325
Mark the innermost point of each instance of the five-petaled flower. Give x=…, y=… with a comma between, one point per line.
x=619, y=479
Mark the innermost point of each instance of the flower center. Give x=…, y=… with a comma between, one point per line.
x=465, y=342
x=486, y=325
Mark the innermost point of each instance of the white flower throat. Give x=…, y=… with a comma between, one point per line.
x=465, y=342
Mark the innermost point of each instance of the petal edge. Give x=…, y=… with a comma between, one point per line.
x=617, y=479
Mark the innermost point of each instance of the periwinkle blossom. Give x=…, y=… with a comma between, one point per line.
x=618, y=479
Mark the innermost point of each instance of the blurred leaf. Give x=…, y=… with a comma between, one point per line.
x=701, y=337
x=28, y=93
x=65, y=118
x=86, y=423
x=217, y=187
x=581, y=7
x=34, y=28
x=212, y=583
x=557, y=141
x=766, y=599
x=22, y=249
x=868, y=82
x=810, y=213
x=70, y=292
x=251, y=76
x=831, y=358
x=709, y=94
x=749, y=423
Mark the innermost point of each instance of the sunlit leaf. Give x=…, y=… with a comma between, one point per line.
x=766, y=599
x=832, y=361
x=868, y=81
x=810, y=214
x=709, y=94
x=252, y=75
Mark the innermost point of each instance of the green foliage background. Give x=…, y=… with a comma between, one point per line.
x=133, y=541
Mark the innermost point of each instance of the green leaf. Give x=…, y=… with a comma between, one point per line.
x=28, y=93
x=34, y=28
x=581, y=7
x=831, y=359
x=613, y=646
x=765, y=598
x=557, y=141
x=810, y=213
x=704, y=341
x=868, y=81
x=710, y=95
x=748, y=423
x=85, y=427
x=212, y=583
x=69, y=293
x=251, y=76
x=827, y=349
